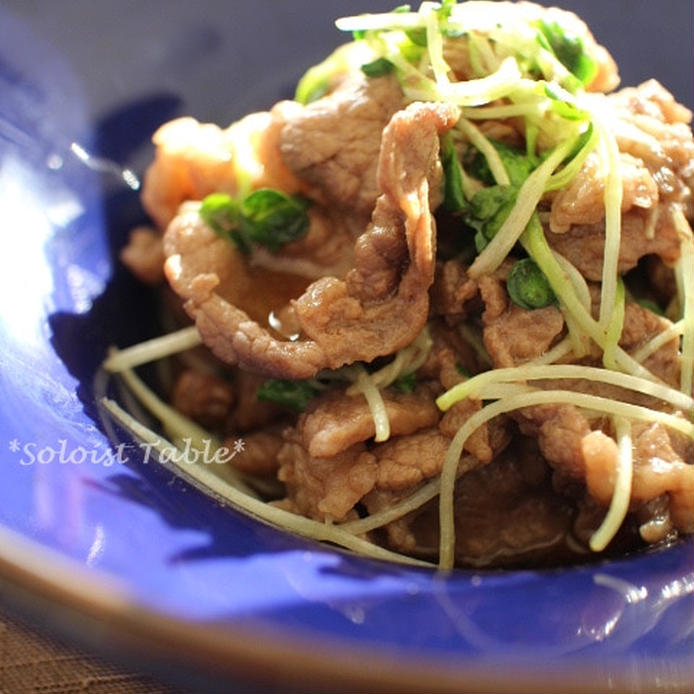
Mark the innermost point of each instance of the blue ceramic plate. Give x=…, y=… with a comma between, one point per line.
x=132, y=561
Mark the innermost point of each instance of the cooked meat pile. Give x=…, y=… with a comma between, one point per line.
x=382, y=272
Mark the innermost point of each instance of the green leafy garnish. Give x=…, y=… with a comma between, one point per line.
x=563, y=107
x=463, y=371
x=528, y=287
x=453, y=197
x=517, y=164
x=293, y=395
x=405, y=384
x=569, y=50
x=651, y=306
x=489, y=208
x=266, y=217
x=272, y=219
x=221, y=213
x=378, y=67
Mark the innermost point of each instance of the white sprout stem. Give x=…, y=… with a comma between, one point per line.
x=500, y=112
x=376, y=405
x=614, y=327
x=415, y=84
x=528, y=197
x=580, y=345
x=672, y=332
x=685, y=274
x=482, y=143
x=378, y=22
x=377, y=520
x=480, y=91
x=151, y=350
x=613, y=226
x=619, y=505
x=435, y=44
x=223, y=491
x=474, y=386
x=515, y=402
x=559, y=351
x=406, y=361
x=177, y=423
x=496, y=391
x=579, y=339
x=562, y=178
x=536, y=245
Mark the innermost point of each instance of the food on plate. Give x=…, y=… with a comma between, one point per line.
x=443, y=297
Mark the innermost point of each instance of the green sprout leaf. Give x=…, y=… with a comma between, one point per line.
x=489, y=208
x=378, y=67
x=528, y=287
x=272, y=219
x=453, y=197
x=405, y=384
x=569, y=49
x=517, y=164
x=221, y=213
x=292, y=395
x=265, y=217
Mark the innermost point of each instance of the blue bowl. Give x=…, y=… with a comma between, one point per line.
x=116, y=552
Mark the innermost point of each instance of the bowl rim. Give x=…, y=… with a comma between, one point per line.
x=75, y=603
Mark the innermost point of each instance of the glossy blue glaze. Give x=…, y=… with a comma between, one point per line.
x=63, y=299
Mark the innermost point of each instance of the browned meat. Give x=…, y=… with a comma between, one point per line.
x=582, y=201
x=250, y=413
x=584, y=245
x=641, y=325
x=200, y=264
x=144, y=255
x=506, y=512
x=653, y=127
x=203, y=397
x=559, y=431
x=342, y=320
x=259, y=454
x=325, y=488
x=657, y=160
x=333, y=143
x=327, y=248
x=654, y=518
x=657, y=470
x=478, y=443
x=405, y=461
x=336, y=421
x=192, y=160
x=452, y=288
x=513, y=335
x=370, y=314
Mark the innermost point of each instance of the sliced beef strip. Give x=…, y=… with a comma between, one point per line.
x=506, y=512
x=344, y=321
x=656, y=159
x=192, y=160
x=584, y=244
x=333, y=143
x=336, y=421
x=513, y=335
x=582, y=201
x=259, y=455
x=203, y=397
x=657, y=470
x=325, y=488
